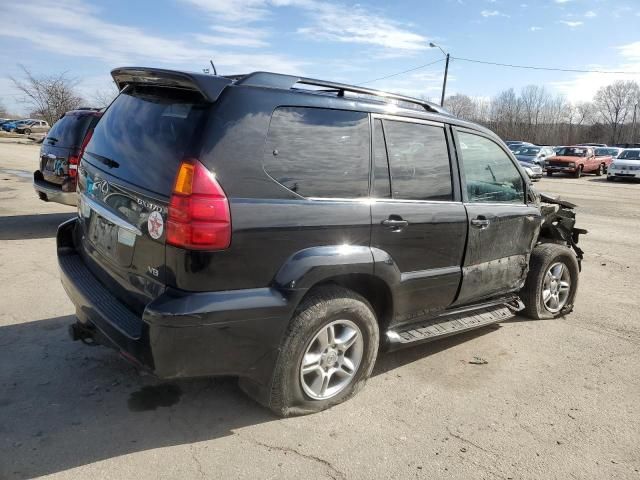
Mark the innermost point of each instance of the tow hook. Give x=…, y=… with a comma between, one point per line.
x=86, y=335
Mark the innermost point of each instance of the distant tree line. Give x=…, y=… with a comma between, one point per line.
x=535, y=115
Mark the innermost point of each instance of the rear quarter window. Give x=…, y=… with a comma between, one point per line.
x=318, y=152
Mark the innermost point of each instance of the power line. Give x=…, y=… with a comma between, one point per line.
x=550, y=69
x=402, y=73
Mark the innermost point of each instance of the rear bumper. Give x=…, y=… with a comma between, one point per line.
x=52, y=193
x=180, y=334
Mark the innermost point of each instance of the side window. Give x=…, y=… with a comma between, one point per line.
x=418, y=161
x=319, y=152
x=490, y=175
x=381, y=182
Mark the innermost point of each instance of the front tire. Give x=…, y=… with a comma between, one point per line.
x=27, y=131
x=578, y=172
x=327, y=354
x=552, y=282
x=549, y=174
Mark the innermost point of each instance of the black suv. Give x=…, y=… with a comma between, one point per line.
x=55, y=180
x=282, y=229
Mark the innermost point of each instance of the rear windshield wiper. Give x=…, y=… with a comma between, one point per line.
x=107, y=161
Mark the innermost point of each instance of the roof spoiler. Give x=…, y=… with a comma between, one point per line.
x=209, y=86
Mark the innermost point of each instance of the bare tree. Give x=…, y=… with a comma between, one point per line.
x=103, y=97
x=462, y=106
x=49, y=96
x=614, y=103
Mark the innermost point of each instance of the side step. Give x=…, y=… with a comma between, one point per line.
x=444, y=326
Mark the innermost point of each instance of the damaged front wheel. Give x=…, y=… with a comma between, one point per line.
x=552, y=282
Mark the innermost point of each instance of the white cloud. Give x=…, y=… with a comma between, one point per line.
x=571, y=24
x=357, y=25
x=591, y=14
x=69, y=27
x=584, y=86
x=329, y=21
x=491, y=13
x=563, y=1
x=535, y=29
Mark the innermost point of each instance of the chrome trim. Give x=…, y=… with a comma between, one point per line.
x=56, y=195
x=109, y=215
x=430, y=273
x=399, y=118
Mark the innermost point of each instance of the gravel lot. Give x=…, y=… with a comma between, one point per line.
x=557, y=399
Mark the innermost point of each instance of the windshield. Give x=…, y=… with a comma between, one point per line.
x=630, y=155
x=528, y=151
x=572, y=152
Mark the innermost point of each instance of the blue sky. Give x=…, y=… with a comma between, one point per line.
x=335, y=40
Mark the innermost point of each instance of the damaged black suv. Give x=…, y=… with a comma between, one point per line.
x=284, y=230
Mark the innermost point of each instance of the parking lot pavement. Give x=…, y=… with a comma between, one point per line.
x=557, y=399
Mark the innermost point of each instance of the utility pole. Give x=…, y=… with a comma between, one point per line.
x=446, y=71
x=633, y=125
x=444, y=82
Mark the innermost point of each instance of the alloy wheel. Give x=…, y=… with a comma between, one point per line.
x=331, y=359
x=556, y=287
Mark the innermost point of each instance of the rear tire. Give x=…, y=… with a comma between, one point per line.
x=549, y=174
x=540, y=288
x=323, y=308
x=27, y=131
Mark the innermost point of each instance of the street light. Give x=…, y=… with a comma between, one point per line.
x=446, y=70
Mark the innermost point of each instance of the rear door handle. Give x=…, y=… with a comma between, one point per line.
x=480, y=222
x=395, y=225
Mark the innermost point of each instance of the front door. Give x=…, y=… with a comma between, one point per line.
x=417, y=214
x=502, y=226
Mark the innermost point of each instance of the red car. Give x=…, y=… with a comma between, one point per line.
x=576, y=161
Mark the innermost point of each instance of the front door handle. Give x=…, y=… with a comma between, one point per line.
x=395, y=225
x=480, y=222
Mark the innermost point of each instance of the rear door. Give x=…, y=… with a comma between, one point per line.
x=417, y=214
x=502, y=226
x=126, y=177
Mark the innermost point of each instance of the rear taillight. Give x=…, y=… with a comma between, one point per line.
x=199, y=216
x=74, y=160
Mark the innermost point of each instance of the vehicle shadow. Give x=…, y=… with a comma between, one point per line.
x=64, y=404
x=20, y=227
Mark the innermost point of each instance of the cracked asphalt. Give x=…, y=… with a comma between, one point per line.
x=556, y=399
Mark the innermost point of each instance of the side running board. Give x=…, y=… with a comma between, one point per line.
x=444, y=326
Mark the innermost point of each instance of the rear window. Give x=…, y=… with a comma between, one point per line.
x=145, y=134
x=319, y=152
x=70, y=130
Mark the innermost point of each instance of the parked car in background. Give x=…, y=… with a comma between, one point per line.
x=55, y=180
x=532, y=159
x=627, y=165
x=34, y=126
x=533, y=154
x=189, y=178
x=516, y=144
x=575, y=161
x=14, y=124
x=591, y=145
x=604, y=157
x=612, y=151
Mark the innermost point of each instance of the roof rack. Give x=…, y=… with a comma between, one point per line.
x=277, y=80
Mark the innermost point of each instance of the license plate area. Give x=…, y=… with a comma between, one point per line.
x=111, y=241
